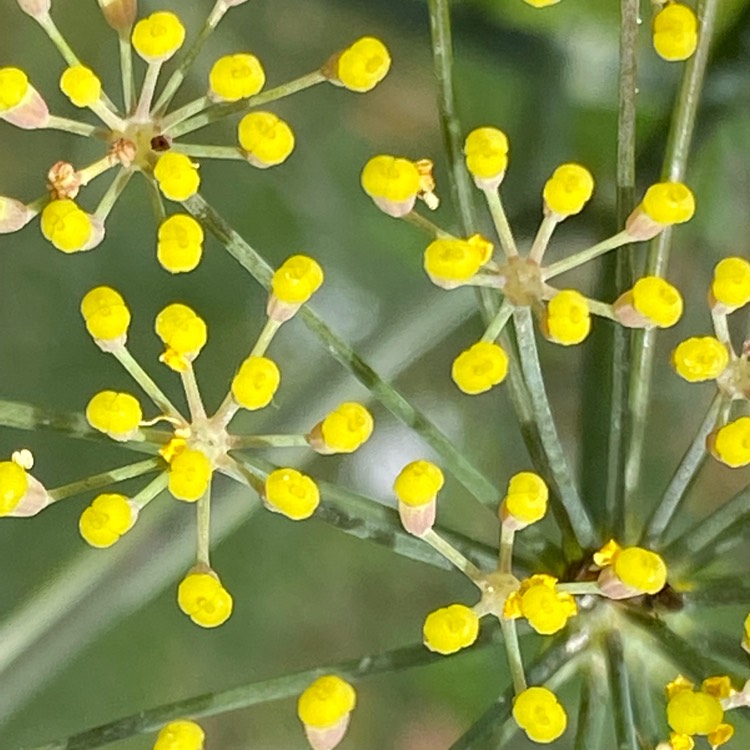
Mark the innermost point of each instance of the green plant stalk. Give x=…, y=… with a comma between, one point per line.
x=675, y=165
x=513, y=652
x=442, y=55
x=203, y=528
x=464, y=471
x=615, y=499
x=622, y=698
x=683, y=477
x=592, y=707
x=251, y=694
x=106, y=478
x=564, y=486
x=720, y=590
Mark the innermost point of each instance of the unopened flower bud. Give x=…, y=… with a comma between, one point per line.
x=324, y=709
x=416, y=488
x=35, y=8
x=21, y=495
x=63, y=181
x=360, y=67
x=664, y=204
x=343, y=430
x=393, y=183
x=14, y=215
x=119, y=14
x=20, y=103
x=629, y=572
x=651, y=303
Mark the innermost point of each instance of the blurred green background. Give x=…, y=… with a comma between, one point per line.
x=87, y=636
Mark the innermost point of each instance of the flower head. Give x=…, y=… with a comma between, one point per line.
x=291, y=493
x=481, y=367
x=486, y=152
x=537, y=599
x=450, y=629
x=568, y=190
x=180, y=735
x=698, y=359
x=256, y=382
x=177, y=176
x=346, y=428
x=107, y=518
x=363, y=65
x=158, y=37
x=117, y=415
x=266, y=139
x=567, y=320
x=525, y=501
x=235, y=77
x=202, y=597
x=537, y=711
x=675, y=32
x=392, y=182
x=180, y=243
x=106, y=314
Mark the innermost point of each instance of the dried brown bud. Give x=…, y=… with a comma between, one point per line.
x=119, y=14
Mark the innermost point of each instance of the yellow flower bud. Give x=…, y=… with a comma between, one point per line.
x=392, y=183
x=117, y=415
x=81, y=85
x=537, y=599
x=158, y=37
x=567, y=320
x=452, y=261
x=699, y=359
x=525, y=501
x=202, y=597
x=291, y=493
x=346, y=428
x=364, y=65
x=669, y=203
x=652, y=302
x=731, y=443
x=106, y=314
x=731, y=284
x=296, y=280
x=256, y=382
x=568, y=190
x=235, y=77
x=640, y=569
x=326, y=701
x=486, y=151
x=450, y=629
x=14, y=85
x=692, y=713
x=184, y=335
x=177, y=176
x=418, y=483
x=537, y=711
x=675, y=32
x=180, y=243
x=180, y=735
x=14, y=483
x=189, y=475
x=107, y=518
x=68, y=228
x=479, y=368
x=266, y=139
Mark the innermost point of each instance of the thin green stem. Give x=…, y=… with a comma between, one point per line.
x=450, y=553
x=203, y=526
x=240, y=442
x=622, y=696
x=126, y=70
x=151, y=490
x=143, y=110
x=157, y=202
x=543, y=236
x=513, y=652
x=495, y=328
x=682, y=478
x=192, y=393
x=674, y=168
x=426, y=225
x=500, y=220
x=186, y=111
x=579, y=588
x=716, y=591
x=392, y=399
x=721, y=327
x=114, y=191
x=563, y=488
x=131, y=365
x=584, y=256
x=220, y=111
x=251, y=694
x=201, y=151
x=176, y=79
x=106, y=478
x=507, y=536
x=265, y=337
x=592, y=706
x=442, y=55
x=601, y=309
x=75, y=127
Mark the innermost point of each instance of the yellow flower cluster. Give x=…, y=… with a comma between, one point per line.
x=538, y=600
x=629, y=571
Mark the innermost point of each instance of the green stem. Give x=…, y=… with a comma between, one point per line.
x=126, y=70
x=675, y=165
x=505, y=562
x=192, y=393
x=203, y=526
x=75, y=127
x=426, y=225
x=592, y=707
x=265, y=337
x=220, y=111
x=622, y=696
x=251, y=694
x=151, y=490
x=442, y=55
x=239, y=442
x=681, y=480
x=201, y=151
x=500, y=220
x=106, y=478
x=495, y=328
x=543, y=236
x=718, y=591
x=584, y=256
x=466, y=473
x=513, y=652
x=176, y=79
x=114, y=191
x=564, y=487
x=453, y=556
x=23, y=416
x=579, y=588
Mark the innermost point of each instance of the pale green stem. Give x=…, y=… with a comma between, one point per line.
x=442, y=55
x=126, y=359
x=37, y=205
x=485, y=280
x=74, y=127
x=265, y=338
x=579, y=588
x=220, y=111
x=513, y=652
x=157, y=202
x=126, y=70
x=143, y=111
x=500, y=220
x=225, y=413
x=114, y=191
x=495, y=328
x=683, y=477
x=622, y=696
x=192, y=393
x=176, y=79
x=203, y=516
x=543, y=236
x=106, y=115
x=674, y=168
x=185, y=112
x=602, y=309
x=240, y=442
x=251, y=694
x=584, y=256
x=151, y=490
x=592, y=706
x=564, y=487
x=425, y=224
x=105, y=479
x=507, y=536
x=453, y=459
x=721, y=328
x=450, y=553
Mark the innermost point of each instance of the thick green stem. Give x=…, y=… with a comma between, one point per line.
x=392, y=399
x=513, y=652
x=675, y=165
x=592, y=707
x=106, y=478
x=252, y=694
x=682, y=479
x=622, y=698
x=564, y=487
x=442, y=55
